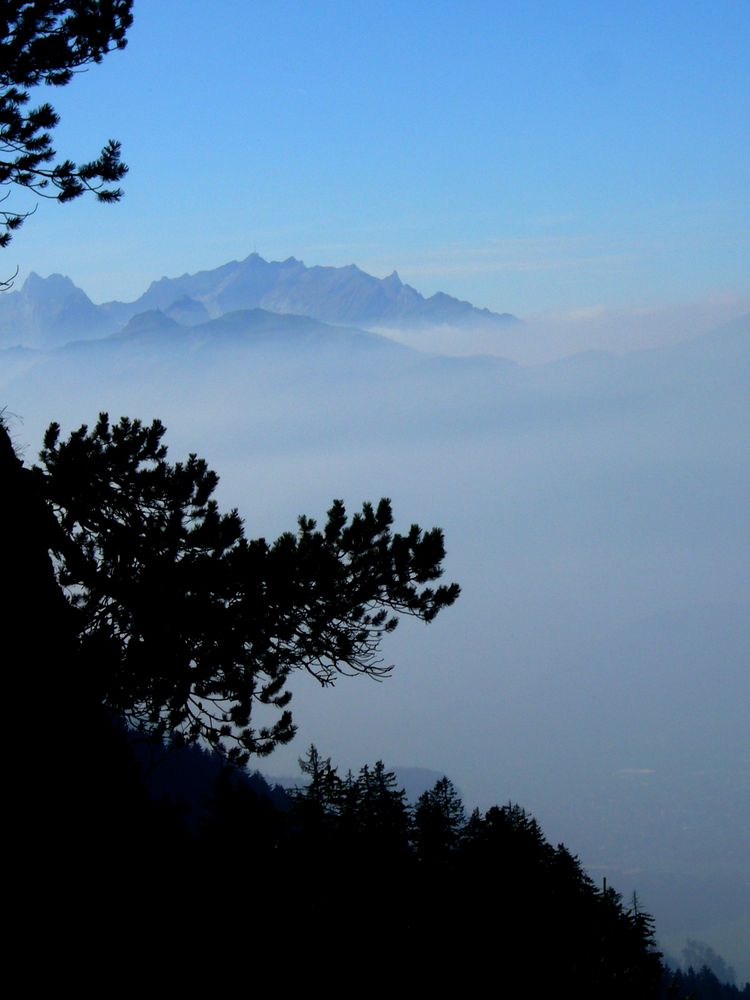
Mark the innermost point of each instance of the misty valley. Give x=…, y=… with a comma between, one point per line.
x=594, y=668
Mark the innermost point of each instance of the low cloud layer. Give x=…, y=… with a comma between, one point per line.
x=595, y=668
x=550, y=336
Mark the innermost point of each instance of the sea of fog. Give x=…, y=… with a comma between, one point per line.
x=596, y=668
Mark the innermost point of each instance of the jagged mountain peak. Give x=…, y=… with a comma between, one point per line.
x=339, y=295
x=53, y=286
x=48, y=312
x=343, y=296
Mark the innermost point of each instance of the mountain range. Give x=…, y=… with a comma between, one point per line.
x=48, y=312
x=596, y=666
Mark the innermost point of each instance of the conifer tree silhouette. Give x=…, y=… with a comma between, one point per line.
x=46, y=43
x=190, y=628
x=438, y=821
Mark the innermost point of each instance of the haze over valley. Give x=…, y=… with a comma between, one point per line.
x=490, y=262
x=596, y=665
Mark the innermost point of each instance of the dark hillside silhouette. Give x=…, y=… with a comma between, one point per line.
x=488, y=895
x=141, y=624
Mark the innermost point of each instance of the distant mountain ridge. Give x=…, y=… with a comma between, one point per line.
x=51, y=311
x=339, y=295
x=47, y=312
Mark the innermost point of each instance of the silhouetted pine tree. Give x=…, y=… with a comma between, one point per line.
x=439, y=820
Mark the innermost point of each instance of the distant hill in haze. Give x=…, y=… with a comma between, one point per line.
x=249, y=328
x=48, y=312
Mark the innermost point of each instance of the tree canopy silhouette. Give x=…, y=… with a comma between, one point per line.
x=187, y=627
x=45, y=43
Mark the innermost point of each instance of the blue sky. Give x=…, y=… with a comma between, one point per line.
x=526, y=156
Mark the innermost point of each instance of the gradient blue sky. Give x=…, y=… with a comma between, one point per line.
x=527, y=156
